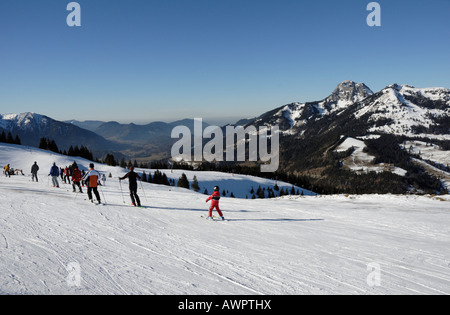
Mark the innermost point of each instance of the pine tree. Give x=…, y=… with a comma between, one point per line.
x=9, y=138
x=110, y=160
x=195, y=185
x=293, y=191
x=52, y=146
x=183, y=182
x=260, y=193
x=3, y=137
x=43, y=144
x=17, y=140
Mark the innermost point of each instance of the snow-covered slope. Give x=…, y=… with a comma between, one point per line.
x=361, y=162
x=23, y=157
x=53, y=242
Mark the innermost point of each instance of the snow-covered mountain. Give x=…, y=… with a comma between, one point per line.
x=53, y=241
x=405, y=110
x=31, y=127
x=394, y=110
x=295, y=115
x=313, y=131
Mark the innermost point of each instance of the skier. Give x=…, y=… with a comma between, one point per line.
x=67, y=175
x=104, y=179
x=34, y=171
x=54, y=173
x=132, y=179
x=76, y=178
x=215, y=197
x=91, y=179
x=7, y=169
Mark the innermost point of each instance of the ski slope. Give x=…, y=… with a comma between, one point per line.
x=290, y=245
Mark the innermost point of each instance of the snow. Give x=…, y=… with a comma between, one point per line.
x=290, y=245
x=362, y=162
x=402, y=113
x=428, y=152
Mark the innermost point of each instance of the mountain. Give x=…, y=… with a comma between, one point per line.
x=146, y=142
x=53, y=241
x=297, y=114
x=90, y=125
x=383, y=121
x=31, y=127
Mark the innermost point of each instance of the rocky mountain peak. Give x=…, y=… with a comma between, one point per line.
x=350, y=92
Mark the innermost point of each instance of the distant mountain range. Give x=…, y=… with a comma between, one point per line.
x=150, y=142
x=31, y=127
x=311, y=131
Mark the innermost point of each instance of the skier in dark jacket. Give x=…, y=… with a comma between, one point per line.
x=132, y=179
x=34, y=171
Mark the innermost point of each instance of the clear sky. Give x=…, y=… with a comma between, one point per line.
x=147, y=60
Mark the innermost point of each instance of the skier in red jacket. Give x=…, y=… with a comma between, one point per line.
x=76, y=178
x=215, y=197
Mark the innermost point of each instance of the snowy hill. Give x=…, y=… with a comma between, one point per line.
x=23, y=157
x=53, y=242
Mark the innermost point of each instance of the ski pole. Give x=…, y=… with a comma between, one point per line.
x=121, y=191
x=142, y=186
x=103, y=195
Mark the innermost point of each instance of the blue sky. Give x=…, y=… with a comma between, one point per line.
x=147, y=60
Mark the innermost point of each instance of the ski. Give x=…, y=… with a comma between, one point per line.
x=219, y=219
x=206, y=218
x=214, y=219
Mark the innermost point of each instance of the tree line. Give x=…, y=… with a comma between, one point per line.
x=79, y=151
x=9, y=138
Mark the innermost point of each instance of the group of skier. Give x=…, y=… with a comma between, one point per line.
x=92, y=180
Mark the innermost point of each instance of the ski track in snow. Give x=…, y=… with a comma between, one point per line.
x=293, y=245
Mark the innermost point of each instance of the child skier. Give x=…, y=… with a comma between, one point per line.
x=132, y=179
x=215, y=197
